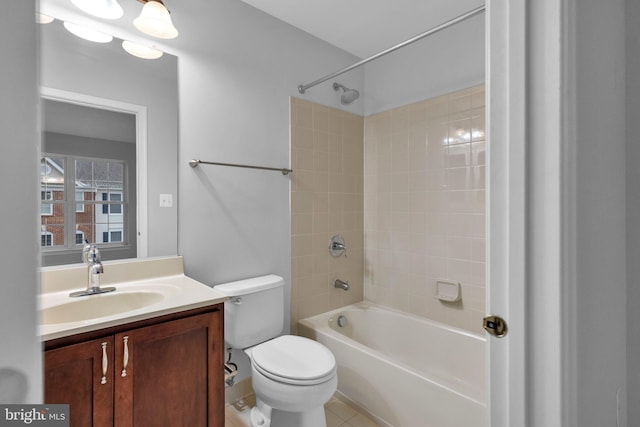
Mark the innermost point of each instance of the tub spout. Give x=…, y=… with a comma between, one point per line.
x=341, y=285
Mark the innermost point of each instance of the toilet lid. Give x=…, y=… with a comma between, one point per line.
x=294, y=360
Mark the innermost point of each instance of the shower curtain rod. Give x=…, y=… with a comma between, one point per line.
x=460, y=18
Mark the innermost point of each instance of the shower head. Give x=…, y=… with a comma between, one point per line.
x=349, y=96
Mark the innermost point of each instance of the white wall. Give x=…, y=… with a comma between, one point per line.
x=20, y=349
x=444, y=62
x=633, y=210
x=234, y=107
x=600, y=212
x=237, y=69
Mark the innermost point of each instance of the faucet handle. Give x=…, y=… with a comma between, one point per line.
x=85, y=251
x=94, y=255
x=337, y=246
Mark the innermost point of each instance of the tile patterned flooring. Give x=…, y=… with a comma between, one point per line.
x=338, y=413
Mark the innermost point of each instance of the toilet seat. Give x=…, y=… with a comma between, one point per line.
x=294, y=360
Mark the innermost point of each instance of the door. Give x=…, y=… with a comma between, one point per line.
x=81, y=375
x=170, y=374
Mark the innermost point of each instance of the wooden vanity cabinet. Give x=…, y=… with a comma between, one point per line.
x=73, y=375
x=168, y=373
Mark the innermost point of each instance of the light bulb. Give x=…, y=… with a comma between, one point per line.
x=141, y=51
x=88, y=33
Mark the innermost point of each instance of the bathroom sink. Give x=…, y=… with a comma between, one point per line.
x=145, y=289
x=92, y=307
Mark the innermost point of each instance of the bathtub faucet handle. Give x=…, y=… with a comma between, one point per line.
x=341, y=285
x=337, y=246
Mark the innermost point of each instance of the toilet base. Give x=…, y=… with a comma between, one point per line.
x=258, y=419
x=264, y=416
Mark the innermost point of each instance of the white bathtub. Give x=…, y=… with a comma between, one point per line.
x=405, y=370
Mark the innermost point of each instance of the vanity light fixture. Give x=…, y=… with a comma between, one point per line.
x=88, y=33
x=141, y=51
x=107, y=9
x=155, y=20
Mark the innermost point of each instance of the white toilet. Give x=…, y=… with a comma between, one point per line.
x=293, y=377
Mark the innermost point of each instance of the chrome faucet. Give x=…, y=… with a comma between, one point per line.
x=91, y=257
x=341, y=285
x=337, y=247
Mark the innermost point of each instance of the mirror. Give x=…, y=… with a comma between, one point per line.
x=110, y=140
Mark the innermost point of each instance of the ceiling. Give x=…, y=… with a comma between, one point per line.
x=364, y=27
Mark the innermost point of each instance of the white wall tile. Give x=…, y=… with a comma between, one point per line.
x=424, y=206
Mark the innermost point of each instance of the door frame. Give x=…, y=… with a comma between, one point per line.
x=531, y=211
x=506, y=209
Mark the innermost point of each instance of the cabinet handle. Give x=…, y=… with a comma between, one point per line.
x=125, y=359
x=105, y=363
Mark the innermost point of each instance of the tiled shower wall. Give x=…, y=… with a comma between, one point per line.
x=425, y=206
x=406, y=189
x=327, y=198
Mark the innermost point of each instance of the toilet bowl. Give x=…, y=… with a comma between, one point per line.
x=292, y=377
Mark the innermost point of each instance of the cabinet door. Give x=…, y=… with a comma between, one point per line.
x=170, y=374
x=81, y=375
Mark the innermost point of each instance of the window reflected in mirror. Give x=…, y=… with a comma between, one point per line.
x=84, y=202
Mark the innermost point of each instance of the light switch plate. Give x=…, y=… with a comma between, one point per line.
x=166, y=200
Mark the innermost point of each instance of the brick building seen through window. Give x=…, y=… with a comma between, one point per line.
x=97, y=206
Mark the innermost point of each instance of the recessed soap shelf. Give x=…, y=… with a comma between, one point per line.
x=448, y=291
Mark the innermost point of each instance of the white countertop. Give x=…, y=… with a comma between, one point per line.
x=177, y=293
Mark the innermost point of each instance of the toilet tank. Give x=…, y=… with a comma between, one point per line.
x=254, y=312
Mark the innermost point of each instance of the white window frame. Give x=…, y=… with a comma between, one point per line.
x=140, y=111
x=70, y=204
